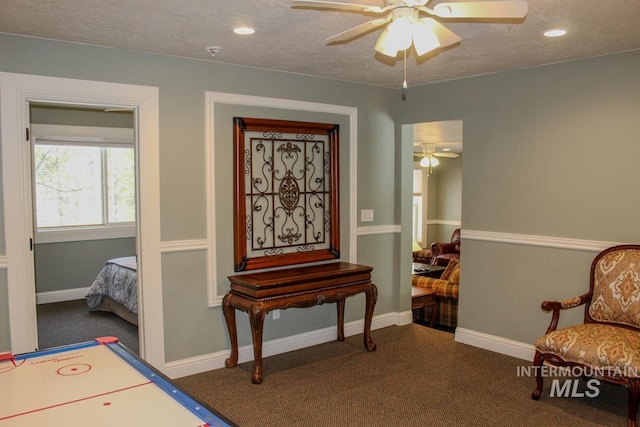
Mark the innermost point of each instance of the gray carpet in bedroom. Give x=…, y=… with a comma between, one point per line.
x=71, y=322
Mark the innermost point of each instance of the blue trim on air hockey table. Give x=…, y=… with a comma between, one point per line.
x=158, y=379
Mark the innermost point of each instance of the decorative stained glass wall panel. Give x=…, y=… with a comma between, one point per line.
x=286, y=193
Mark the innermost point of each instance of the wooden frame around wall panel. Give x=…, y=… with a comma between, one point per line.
x=288, y=143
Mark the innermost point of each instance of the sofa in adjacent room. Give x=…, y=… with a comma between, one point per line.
x=446, y=288
x=423, y=256
x=442, y=253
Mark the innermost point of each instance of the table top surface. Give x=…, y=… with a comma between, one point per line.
x=418, y=267
x=292, y=275
x=93, y=384
x=417, y=291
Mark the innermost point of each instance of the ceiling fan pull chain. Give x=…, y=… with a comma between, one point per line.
x=404, y=82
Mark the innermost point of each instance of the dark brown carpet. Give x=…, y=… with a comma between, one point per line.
x=71, y=322
x=417, y=377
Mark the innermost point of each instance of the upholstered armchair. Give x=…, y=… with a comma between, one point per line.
x=447, y=289
x=444, y=252
x=607, y=344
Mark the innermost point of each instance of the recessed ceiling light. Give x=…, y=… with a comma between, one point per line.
x=555, y=33
x=446, y=149
x=244, y=31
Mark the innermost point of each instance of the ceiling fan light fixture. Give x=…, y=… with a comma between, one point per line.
x=424, y=39
x=400, y=33
x=429, y=161
x=384, y=47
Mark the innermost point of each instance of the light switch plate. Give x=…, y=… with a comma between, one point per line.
x=366, y=215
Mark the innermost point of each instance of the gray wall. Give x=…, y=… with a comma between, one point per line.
x=549, y=151
x=445, y=199
x=73, y=116
x=182, y=84
x=69, y=265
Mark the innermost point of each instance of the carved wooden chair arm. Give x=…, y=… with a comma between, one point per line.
x=556, y=306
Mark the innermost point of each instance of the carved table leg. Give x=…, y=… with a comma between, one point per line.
x=340, y=305
x=230, y=317
x=256, y=319
x=372, y=297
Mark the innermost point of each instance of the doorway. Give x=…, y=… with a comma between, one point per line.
x=16, y=92
x=437, y=181
x=436, y=215
x=83, y=175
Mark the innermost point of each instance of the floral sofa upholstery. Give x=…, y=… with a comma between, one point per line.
x=446, y=288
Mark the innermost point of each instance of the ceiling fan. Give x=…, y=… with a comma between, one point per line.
x=406, y=27
x=428, y=156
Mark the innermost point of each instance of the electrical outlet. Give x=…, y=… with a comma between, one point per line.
x=276, y=314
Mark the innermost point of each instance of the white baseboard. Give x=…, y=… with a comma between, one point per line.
x=59, y=296
x=495, y=344
x=208, y=362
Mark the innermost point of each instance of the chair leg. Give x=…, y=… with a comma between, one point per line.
x=634, y=399
x=537, y=364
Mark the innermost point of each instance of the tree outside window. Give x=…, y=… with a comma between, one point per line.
x=84, y=185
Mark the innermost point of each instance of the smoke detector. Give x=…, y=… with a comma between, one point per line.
x=213, y=50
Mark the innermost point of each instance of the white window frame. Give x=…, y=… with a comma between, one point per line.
x=423, y=194
x=72, y=135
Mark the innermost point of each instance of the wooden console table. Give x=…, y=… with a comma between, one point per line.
x=259, y=293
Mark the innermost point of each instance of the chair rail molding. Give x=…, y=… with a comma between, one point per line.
x=444, y=222
x=184, y=246
x=378, y=229
x=533, y=240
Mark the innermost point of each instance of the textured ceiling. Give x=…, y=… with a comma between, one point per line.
x=293, y=39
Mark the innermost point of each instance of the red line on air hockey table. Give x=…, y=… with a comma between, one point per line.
x=101, y=383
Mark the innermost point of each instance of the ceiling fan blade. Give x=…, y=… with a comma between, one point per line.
x=356, y=31
x=340, y=6
x=482, y=9
x=447, y=155
x=444, y=35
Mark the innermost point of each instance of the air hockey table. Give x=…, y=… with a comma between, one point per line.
x=97, y=383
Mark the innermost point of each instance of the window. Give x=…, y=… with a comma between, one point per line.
x=83, y=181
x=416, y=231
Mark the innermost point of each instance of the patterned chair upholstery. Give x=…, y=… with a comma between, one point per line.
x=608, y=342
x=424, y=256
x=446, y=287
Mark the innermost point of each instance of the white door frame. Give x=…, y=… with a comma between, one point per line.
x=16, y=90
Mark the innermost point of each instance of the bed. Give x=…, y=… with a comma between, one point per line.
x=115, y=289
